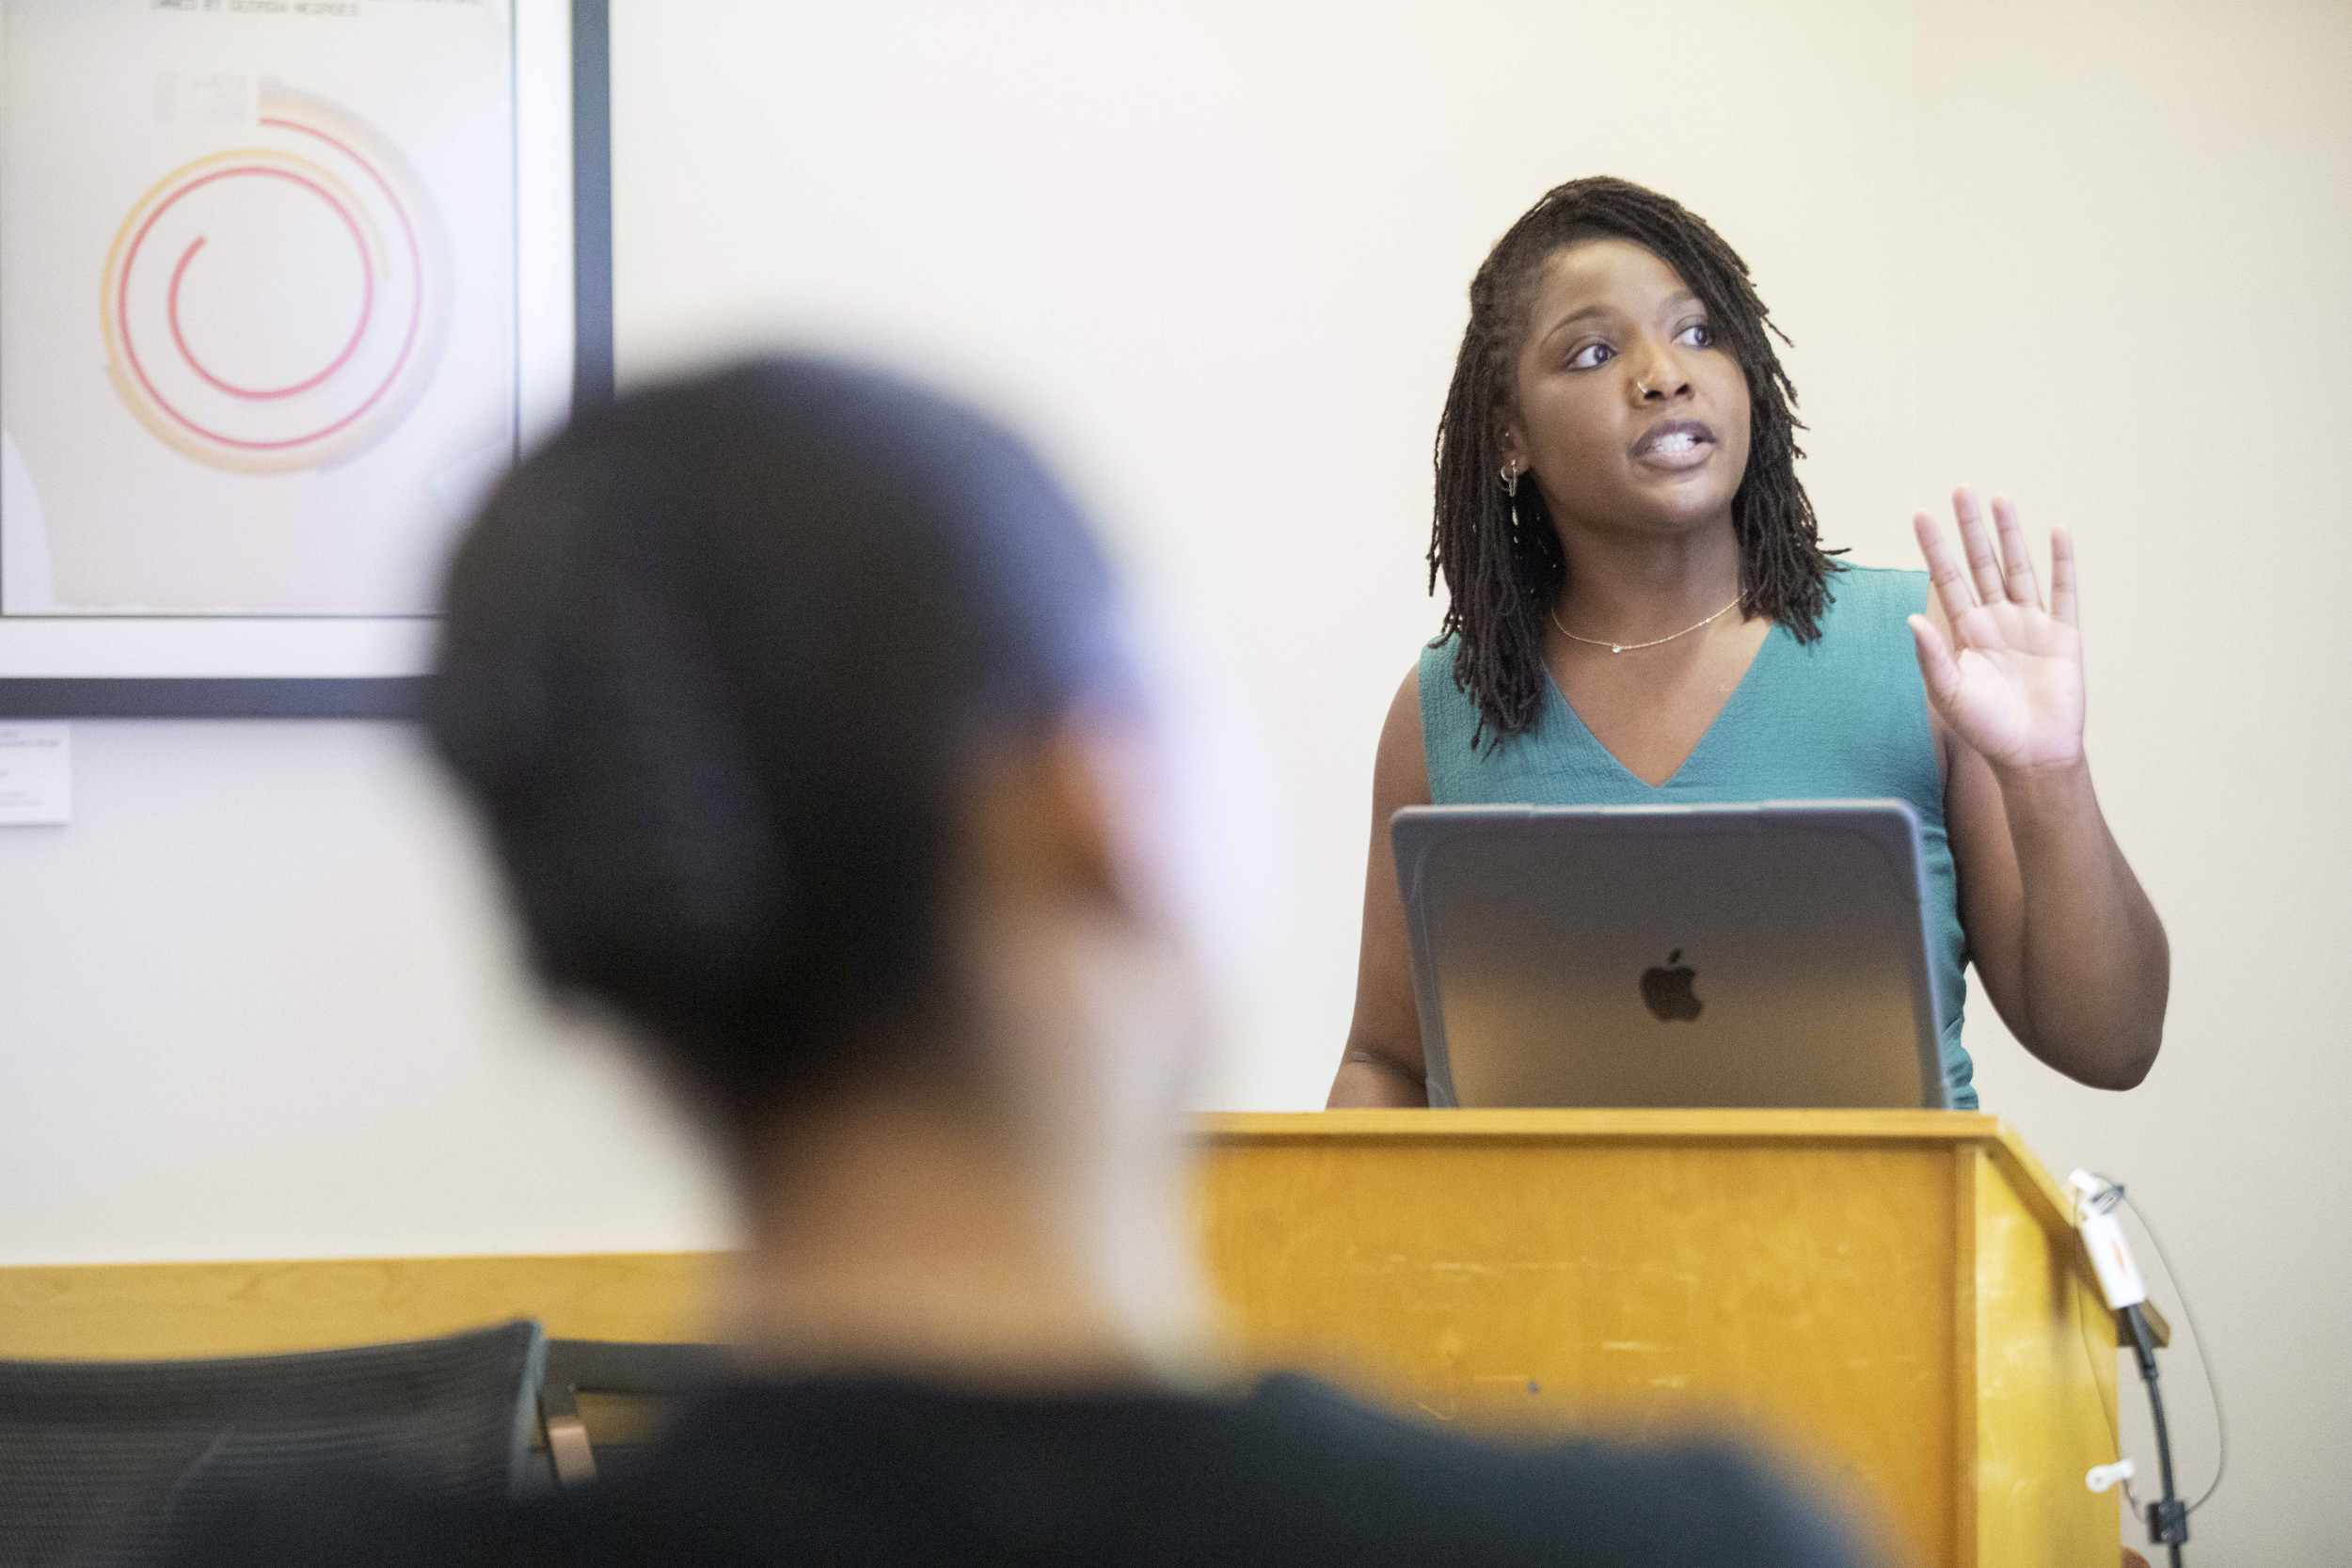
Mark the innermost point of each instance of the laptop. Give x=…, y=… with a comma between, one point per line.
x=1767, y=955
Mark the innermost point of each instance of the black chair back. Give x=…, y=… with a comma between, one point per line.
x=101, y=1460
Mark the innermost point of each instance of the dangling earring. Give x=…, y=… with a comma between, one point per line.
x=1511, y=480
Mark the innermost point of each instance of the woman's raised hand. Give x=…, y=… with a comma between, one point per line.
x=2015, y=691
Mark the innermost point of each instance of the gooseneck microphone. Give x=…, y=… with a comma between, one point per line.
x=2126, y=1291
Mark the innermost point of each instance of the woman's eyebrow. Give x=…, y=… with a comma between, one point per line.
x=1667, y=307
x=1573, y=317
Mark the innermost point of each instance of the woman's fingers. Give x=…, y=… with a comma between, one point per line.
x=2016, y=557
x=1951, y=583
x=2065, y=595
x=1984, y=563
x=1993, y=576
x=1936, y=665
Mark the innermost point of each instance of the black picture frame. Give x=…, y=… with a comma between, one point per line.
x=394, y=697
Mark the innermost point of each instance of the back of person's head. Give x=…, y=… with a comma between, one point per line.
x=719, y=663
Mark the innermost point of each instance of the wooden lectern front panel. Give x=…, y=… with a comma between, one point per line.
x=2043, y=1356
x=1894, y=1297
x=1786, y=1277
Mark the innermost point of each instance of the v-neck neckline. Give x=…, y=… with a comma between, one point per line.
x=1747, y=677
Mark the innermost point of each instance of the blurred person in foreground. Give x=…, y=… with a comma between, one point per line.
x=800, y=708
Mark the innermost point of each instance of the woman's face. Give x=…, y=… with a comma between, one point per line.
x=1629, y=413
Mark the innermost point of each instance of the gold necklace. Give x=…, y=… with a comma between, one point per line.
x=1630, y=647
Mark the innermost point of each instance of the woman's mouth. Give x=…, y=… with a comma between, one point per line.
x=1674, y=444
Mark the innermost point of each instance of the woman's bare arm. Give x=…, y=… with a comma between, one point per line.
x=2069, y=947
x=1383, y=1063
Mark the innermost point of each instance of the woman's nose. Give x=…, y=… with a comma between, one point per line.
x=1655, y=376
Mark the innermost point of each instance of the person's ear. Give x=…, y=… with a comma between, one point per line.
x=1064, y=815
x=1089, y=810
x=1507, y=443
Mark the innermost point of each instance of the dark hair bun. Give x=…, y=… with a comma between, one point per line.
x=713, y=664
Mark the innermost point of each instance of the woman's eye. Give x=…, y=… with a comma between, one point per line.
x=1591, y=356
x=1697, y=335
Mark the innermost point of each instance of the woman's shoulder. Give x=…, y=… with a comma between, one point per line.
x=1450, y=723
x=1866, y=617
x=1876, y=591
x=1437, y=657
x=1443, y=699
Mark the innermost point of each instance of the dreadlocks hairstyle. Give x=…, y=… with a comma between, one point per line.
x=1501, y=556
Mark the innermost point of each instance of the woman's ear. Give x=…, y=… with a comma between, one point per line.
x=1507, y=443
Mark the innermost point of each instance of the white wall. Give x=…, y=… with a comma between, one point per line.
x=257, y=1002
x=253, y=1001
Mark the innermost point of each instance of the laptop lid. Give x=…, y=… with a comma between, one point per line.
x=1767, y=955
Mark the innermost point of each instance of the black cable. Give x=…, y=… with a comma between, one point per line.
x=2167, y=1520
x=2188, y=1315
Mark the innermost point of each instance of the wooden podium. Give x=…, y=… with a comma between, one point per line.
x=1897, y=1298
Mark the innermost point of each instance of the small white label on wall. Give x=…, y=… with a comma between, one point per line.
x=36, y=775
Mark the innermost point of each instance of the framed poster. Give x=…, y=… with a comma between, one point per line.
x=285, y=286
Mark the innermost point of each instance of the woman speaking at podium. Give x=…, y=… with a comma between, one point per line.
x=1640, y=613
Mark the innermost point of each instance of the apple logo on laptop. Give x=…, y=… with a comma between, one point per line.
x=1666, y=993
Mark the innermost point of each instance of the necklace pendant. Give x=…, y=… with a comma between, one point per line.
x=1616, y=648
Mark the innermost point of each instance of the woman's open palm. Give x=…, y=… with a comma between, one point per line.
x=2014, y=688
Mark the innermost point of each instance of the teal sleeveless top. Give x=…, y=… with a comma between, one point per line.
x=1844, y=717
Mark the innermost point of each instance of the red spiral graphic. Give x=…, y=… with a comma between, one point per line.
x=340, y=414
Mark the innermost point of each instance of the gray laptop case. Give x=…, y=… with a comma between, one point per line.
x=1770, y=955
